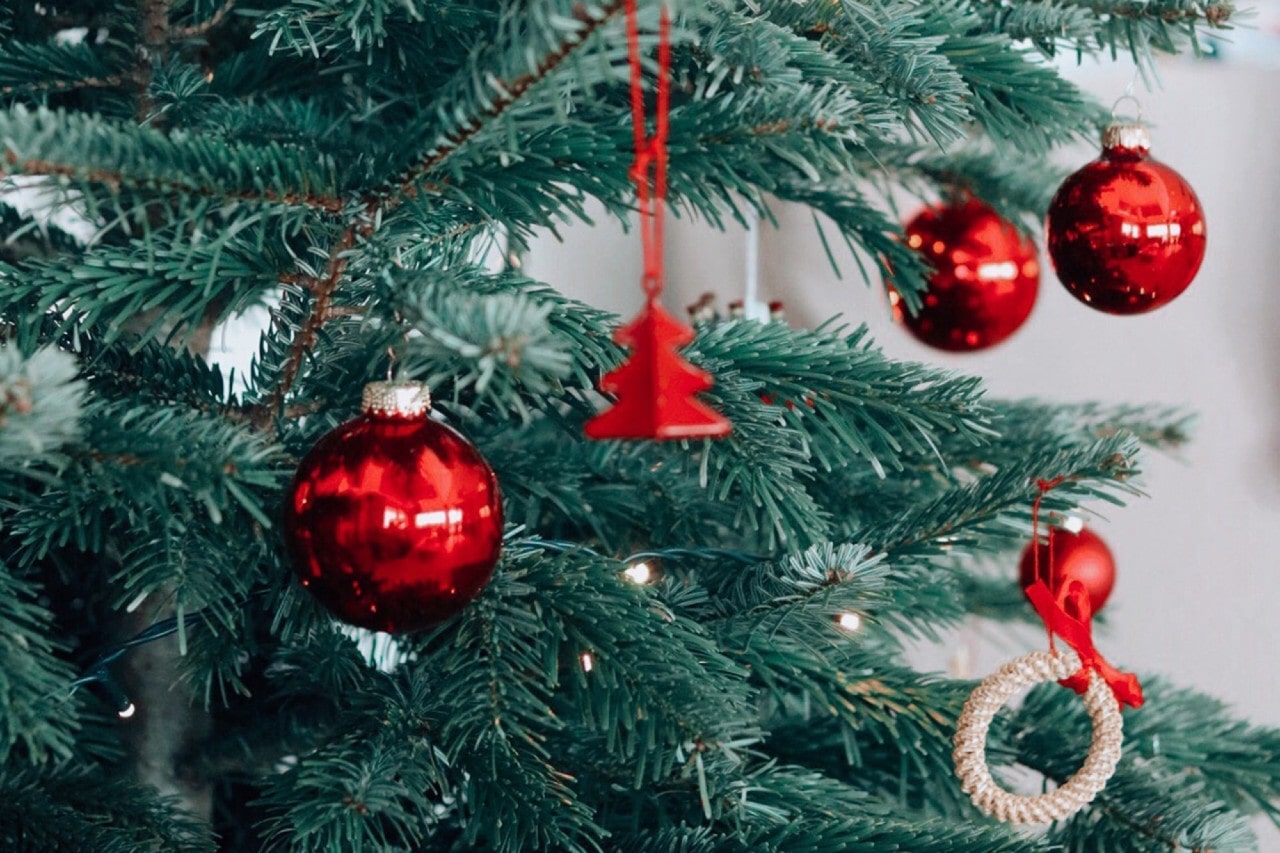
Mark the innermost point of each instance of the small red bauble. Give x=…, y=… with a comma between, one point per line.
x=1080, y=557
x=985, y=281
x=1126, y=234
x=394, y=520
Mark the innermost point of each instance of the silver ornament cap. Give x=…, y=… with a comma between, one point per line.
x=397, y=398
x=1130, y=136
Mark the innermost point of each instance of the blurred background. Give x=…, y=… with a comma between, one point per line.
x=1197, y=591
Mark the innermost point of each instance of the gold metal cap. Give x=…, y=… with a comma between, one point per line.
x=396, y=399
x=1126, y=136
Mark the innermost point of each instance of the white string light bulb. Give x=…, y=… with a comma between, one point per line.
x=639, y=573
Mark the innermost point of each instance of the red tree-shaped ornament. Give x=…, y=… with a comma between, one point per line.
x=655, y=387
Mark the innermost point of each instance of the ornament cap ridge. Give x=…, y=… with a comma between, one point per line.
x=1132, y=136
x=397, y=398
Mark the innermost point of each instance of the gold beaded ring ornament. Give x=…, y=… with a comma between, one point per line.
x=970, y=754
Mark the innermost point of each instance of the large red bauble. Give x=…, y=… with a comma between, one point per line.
x=1126, y=234
x=985, y=281
x=394, y=520
x=1080, y=557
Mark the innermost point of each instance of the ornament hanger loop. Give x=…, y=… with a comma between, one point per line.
x=393, y=356
x=652, y=285
x=1137, y=107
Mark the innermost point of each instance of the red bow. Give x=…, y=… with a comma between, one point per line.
x=1070, y=617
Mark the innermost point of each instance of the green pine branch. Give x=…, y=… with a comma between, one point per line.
x=160, y=286
x=528, y=48
x=1140, y=29
x=1156, y=805
x=102, y=156
x=496, y=675
x=32, y=68
x=88, y=809
x=39, y=723
x=789, y=809
x=139, y=467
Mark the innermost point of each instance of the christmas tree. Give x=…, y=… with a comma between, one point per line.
x=693, y=645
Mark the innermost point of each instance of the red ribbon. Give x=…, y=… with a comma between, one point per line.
x=649, y=169
x=1070, y=616
x=1044, y=486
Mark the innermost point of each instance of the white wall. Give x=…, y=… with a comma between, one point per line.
x=1197, y=581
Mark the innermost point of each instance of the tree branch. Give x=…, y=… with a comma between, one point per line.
x=322, y=298
x=511, y=93
x=153, y=27
x=200, y=29
x=108, y=82
x=378, y=203
x=36, y=167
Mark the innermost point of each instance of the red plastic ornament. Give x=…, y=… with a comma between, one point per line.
x=1082, y=557
x=394, y=520
x=985, y=281
x=656, y=388
x=1126, y=233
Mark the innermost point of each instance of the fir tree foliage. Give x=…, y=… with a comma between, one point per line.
x=342, y=163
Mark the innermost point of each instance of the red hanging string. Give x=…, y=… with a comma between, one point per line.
x=1044, y=486
x=1068, y=614
x=655, y=389
x=649, y=169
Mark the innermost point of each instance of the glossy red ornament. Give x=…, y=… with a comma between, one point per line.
x=1126, y=233
x=985, y=281
x=656, y=388
x=394, y=520
x=1080, y=557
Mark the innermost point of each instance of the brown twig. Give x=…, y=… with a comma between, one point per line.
x=250, y=414
x=510, y=93
x=18, y=166
x=305, y=338
x=196, y=30
x=153, y=27
x=336, y=311
x=108, y=82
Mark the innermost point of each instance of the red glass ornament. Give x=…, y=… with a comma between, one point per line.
x=394, y=520
x=1126, y=233
x=985, y=281
x=1080, y=557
